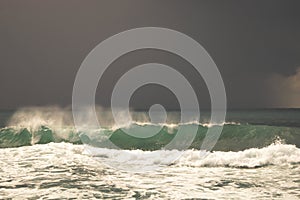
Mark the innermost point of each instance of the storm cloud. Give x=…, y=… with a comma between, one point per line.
x=253, y=43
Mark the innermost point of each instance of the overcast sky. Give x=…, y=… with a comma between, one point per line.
x=255, y=44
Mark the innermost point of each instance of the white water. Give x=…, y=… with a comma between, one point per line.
x=60, y=170
x=138, y=160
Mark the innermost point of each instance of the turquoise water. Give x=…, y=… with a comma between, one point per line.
x=43, y=156
x=233, y=138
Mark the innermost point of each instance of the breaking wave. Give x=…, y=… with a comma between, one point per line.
x=234, y=137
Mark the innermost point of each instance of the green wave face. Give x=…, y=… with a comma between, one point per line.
x=16, y=137
x=233, y=138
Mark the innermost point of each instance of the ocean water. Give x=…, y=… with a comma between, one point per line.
x=42, y=156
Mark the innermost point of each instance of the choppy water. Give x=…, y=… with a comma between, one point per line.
x=256, y=157
x=61, y=170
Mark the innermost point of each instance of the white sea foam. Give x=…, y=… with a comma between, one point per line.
x=62, y=170
x=275, y=154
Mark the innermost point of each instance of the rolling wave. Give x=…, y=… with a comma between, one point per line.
x=234, y=137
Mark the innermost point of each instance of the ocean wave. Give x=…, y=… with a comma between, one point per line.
x=234, y=137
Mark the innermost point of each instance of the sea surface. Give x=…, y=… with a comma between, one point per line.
x=43, y=156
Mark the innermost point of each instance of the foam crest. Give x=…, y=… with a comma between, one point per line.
x=274, y=154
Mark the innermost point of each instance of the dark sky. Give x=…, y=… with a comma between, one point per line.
x=255, y=44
